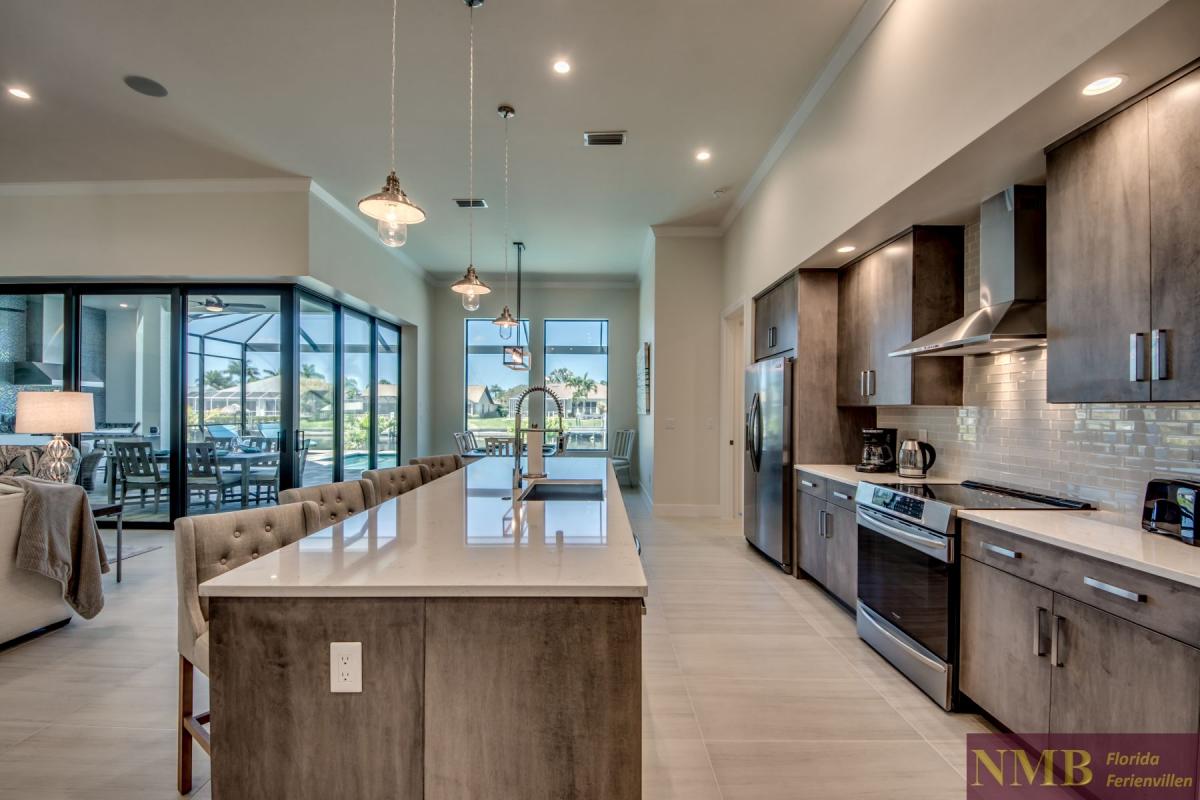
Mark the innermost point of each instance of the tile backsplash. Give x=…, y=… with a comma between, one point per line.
x=1007, y=433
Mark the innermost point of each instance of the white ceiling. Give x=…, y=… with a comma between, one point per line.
x=300, y=87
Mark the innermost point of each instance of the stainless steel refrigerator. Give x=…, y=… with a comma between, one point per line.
x=767, y=507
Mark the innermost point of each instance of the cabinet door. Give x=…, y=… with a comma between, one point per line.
x=853, y=336
x=1004, y=646
x=841, y=554
x=1118, y=677
x=764, y=317
x=891, y=297
x=784, y=307
x=812, y=536
x=1175, y=245
x=1098, y=262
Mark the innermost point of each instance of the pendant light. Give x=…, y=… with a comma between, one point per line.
x=391, y=209
x=469, y=285
x=506, y=321
x=516, y=356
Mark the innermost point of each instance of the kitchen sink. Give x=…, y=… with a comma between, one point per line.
x=564, y=490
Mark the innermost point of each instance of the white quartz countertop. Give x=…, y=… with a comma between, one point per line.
x=847, y=474
x=461, y=536
x=1093, y=533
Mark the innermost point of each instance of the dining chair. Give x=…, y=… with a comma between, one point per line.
x=205, y=474
x=499, y=447
x=471, y=440
x=138, y=470
x=222, y=435
x=622, y=455
x=460, y=443
x=266, y=474
x=335, y=501
x=440, y=465
x=395, y=481
x=206, y=547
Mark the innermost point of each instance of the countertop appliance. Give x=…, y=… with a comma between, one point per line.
x=879, y=450
x=914, y=459
x=1170, y=509
x=767, y=466
x=908, y=572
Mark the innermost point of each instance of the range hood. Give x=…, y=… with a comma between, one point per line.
x=1012, y=282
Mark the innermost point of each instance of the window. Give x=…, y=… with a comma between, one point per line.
x=491, y=389
x=356, y=394
x=576, y=366
x=317, y=385
x=387, y=395
x=31, y=354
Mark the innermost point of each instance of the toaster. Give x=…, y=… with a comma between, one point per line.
x=1170, y=509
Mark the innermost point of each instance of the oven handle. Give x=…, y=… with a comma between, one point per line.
x=873, y=521
x=870, y=617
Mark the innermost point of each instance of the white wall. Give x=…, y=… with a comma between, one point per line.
x=931, y=78
x=687, y=339
x=617, y=304
x=645, y=423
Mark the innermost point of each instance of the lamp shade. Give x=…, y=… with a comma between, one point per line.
x=55, y=412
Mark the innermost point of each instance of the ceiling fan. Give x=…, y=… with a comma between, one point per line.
x=216, y=305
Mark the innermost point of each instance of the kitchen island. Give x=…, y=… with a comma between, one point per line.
x=501, y=649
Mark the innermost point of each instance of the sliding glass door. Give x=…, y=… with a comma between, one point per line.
x=317, y=386
x=387, y=395
x=357, y=388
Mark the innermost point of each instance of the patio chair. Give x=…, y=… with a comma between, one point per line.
x=622, y=455
x=266, y=475
x=222, y=435
x=138, y=470
x=460, y=443
x=499, y=447
x=204, y=473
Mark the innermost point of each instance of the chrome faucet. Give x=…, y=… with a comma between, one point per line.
x=518, y=476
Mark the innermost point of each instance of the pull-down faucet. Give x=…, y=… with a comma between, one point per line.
x=518, y=476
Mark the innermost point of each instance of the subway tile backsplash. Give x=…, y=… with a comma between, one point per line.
x=1007, y=433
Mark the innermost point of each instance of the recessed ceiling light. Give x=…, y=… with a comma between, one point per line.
x=19, y=93
x=703, y=155
x=846, y=248
x=147, y=86
x=1102, y=85
x=562, y=66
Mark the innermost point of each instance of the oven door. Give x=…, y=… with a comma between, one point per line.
x=906, y=577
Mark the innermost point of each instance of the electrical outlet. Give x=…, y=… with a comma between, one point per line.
x=923, y=435
x=345, y=666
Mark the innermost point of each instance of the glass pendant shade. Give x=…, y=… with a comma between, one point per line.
x=393, y=234
x=470, y=301
x=506, y=322
x=391, y=204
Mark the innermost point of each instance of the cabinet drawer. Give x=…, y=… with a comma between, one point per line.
x=840, y=494
x=810, y=483
x=1156, y=603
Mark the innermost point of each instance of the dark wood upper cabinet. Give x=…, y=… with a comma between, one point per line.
x=1123, y=254
x=1175, y=244
x=900, y=291
x=1098, y=263
x=775, y=320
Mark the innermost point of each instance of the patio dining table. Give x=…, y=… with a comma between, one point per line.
x=241, y=459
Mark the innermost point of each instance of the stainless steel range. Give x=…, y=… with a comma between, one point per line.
x=908, y=572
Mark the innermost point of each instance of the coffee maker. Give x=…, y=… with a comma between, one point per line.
x=879, y=450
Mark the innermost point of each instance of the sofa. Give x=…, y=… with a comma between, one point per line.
x=28, y=601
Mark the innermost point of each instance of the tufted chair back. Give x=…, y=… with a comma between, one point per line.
x=440, y=465
x=335, y=501
x=211, y=545
x=396, y=481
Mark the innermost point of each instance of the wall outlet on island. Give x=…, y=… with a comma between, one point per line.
x=345, y=666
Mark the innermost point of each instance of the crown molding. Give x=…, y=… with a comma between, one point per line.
x=868, y=16
x=359, y=223
x=189, y=186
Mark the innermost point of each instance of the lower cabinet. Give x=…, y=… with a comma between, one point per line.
x=828, y=541
x=1040, y=661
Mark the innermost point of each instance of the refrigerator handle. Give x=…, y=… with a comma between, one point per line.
x=755, y=438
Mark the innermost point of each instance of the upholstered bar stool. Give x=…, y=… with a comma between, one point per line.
x=396, y=481
x=335, y=501
x=439, y=465
x=206, y=547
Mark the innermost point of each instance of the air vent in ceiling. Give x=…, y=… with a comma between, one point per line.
x=604, y=138
x=466, y=202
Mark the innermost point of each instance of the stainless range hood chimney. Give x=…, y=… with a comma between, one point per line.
x=1012, y=282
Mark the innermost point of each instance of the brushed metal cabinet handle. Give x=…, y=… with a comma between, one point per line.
x=821, y=524
x=1124, y=594
x=807, y=483
x=1001, y=551
x=862, y=383
x=1055, y=646
x=841, y=495
x=1137, y=357
x=870, y=383
x=1039, y=638
x=1158, y=355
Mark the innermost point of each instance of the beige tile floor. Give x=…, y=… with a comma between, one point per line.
x=755, y=686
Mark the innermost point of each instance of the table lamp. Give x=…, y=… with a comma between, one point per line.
x=56, y=413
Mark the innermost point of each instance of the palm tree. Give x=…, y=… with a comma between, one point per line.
x=560, y=375
x=215, y=379
x=310, y=371
x=581, y=387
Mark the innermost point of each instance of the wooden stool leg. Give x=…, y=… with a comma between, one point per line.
x=184, y=762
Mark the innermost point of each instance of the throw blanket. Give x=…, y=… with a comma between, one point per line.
x=59, y=539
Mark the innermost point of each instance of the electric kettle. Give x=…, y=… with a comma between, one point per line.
x=913, y=458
